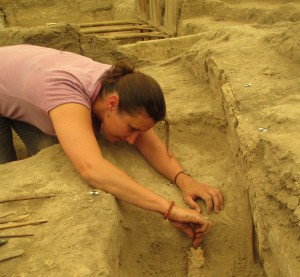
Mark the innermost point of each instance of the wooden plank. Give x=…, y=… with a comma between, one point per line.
x=109, y=23
x=138, y=35
x=155, y=12
x=117, y=29
x=172, y=15
x=142, y=8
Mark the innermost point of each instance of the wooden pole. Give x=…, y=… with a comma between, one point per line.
x=16, y=235
x=14, y=225
x=116, y=29
x=10, y=254
x=6, y=214
x=140, y=35
x=109, y=23
x=25, y=198
x=12, y=219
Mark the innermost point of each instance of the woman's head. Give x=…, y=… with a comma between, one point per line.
x=129, y=103
x=136, y=91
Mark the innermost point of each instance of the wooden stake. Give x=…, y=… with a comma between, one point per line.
x=6, y=214
x=16, y=235
x=26, y=198
x=12, y=219
x=10, y=254
x=14, y=225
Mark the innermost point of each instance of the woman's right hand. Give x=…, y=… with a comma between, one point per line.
x=194, y=224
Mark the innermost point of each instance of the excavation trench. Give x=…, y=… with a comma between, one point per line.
x=199, y=140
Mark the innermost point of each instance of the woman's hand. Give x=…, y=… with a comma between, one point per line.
x=191, y=190
x=191, y=222
x=155, y=152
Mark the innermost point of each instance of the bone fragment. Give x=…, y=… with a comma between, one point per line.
x=195, y=262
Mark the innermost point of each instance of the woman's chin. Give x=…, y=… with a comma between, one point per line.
x=113, y=139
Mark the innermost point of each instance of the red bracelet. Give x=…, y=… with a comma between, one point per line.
x=167, y=213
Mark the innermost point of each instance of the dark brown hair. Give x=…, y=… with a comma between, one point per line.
x=136, y=91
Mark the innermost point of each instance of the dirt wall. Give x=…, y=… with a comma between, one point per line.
x=28, y=13
x=264, y=12
x=267, y=162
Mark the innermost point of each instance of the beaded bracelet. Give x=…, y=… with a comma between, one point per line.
x=167, y=213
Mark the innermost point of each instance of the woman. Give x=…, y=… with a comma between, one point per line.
x=47, y=93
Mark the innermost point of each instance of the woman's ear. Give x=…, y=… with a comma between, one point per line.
x=112, y=101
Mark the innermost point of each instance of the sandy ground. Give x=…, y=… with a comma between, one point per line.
x=223, y=82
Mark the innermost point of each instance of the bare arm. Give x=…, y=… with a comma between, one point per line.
x=73, y=126
x=154, y=150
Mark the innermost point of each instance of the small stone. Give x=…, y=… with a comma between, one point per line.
x=3, y=241
x=49, y=263
x=262, y=129
x=94, y=192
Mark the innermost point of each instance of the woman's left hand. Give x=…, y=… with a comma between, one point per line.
x=213, y=197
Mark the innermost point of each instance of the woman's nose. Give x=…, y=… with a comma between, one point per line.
x=132, y=138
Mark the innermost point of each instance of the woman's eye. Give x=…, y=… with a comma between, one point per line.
x=131, y=129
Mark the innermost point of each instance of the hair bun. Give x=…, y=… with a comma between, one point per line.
x=122, y=68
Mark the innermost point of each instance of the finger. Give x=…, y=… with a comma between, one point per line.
x=199, y=235
x=209, y=203
x=203, y=228
x=196, y=242
x=221, y=200
x=217, y=201
x=191, y=202
x=189, y=231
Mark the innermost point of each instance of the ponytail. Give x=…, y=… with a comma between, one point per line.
x=118, y=70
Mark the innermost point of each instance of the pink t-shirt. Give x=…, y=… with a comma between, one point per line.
x=34, y=80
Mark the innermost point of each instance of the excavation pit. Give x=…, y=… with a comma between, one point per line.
x=215, y=133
